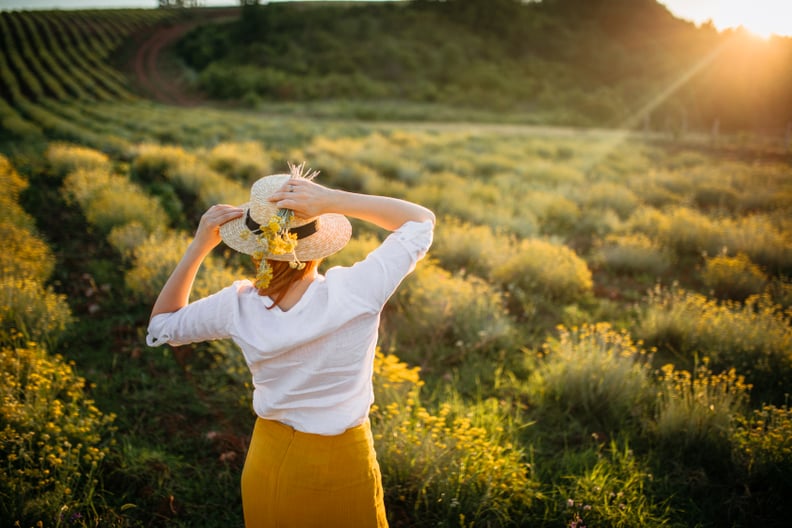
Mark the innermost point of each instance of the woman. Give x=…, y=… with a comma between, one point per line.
x=308, y=340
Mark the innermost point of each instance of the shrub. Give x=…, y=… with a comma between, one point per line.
x=244, y=162
x=537, y=268
x=755, y=337
x=11, y=186
x=11, y=183
x=53, y=439
x=442, y=318
x=110, y=200
x=443, y=468
x=35, y=311
x=65, y=158
x=658, y=196
x=695, y=411
x=473, y=248
x=692, y=233
x=154, y=260
x=762, y=448
x=154, y=161
x=209, y=186
x=595, y=373
x=24, y=254
x=633, y=254
x=733, y=277
x=716, y=197
x=555, y=213
x=158, y=255
x=126, y=237
x=607, y=195
x=759, y=237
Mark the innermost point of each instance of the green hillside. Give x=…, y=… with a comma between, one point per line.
x=604, y=63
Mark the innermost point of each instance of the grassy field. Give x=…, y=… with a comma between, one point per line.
x=600, y=335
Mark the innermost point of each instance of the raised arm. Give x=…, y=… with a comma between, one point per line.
x=308, y=199
x=176, y=292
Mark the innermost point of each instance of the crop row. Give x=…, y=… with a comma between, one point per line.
x=63, y=57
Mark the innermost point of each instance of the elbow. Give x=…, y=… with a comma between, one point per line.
x=428, y=216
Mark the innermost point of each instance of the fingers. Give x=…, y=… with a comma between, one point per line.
x=218, y=215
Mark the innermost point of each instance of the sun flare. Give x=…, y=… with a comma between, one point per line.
x=762, y=18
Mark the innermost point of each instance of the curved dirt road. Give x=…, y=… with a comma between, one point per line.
x=157, y=79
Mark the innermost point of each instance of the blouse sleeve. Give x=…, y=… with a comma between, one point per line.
x=374, y=279
x=203, y=320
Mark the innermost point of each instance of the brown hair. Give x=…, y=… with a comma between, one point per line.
x=283, y=278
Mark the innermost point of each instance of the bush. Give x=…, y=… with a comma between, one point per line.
x=53, y=440
x=762, y=448
x=607, y=195
x=65, y=158
x=444, y=468
x=555, y=213
x=154, y=260
x=467, y=247
x=11, y=183
x=755, y=337
x=153, y=162
x=24, y=254
x=443, y=318
x=158, y=255
x=760, y=238
x=110, y=200
x=598, y=375
x=691, y=233
x=733, y=277
x=244, y=162
x=633, y=254
x=717, y=197
x=540, y=269
x=696, y=411
x=32, y=310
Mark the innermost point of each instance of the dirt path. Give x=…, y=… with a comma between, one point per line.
x=150, y=73
x=157, y=73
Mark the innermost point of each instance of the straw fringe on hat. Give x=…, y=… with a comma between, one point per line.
x=317, y=237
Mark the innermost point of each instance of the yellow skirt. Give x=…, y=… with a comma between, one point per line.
x=301, y=480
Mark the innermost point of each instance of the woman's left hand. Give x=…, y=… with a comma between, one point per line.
x=306, y=198
x=207, y=235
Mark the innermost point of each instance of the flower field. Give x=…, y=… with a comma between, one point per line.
x=601, y=334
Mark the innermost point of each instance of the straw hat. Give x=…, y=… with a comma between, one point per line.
x=317, y=237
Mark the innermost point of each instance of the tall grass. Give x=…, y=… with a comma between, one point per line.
x=755, y=337
x=696, y=410
x=442, y=468
x=596, y=374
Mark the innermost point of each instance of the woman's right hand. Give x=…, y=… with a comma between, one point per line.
x=207, y=236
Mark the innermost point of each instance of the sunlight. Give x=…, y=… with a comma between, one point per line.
x=762, y=18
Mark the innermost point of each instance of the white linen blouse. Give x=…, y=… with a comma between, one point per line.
x=312, y=364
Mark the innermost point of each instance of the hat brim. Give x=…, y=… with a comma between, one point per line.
x=332, y=234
